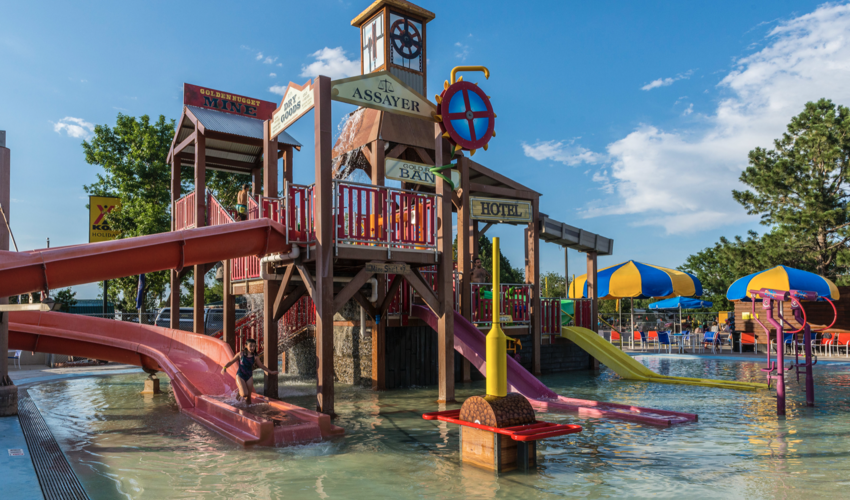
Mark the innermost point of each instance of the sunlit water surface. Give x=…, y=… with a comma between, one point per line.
x=125, y=445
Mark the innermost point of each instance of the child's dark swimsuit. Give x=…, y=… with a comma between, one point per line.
x=246, y=367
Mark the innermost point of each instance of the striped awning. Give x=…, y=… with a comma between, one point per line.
x=639, y=281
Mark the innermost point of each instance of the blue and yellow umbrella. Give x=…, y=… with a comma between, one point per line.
x=782, y=278
x=639, y=281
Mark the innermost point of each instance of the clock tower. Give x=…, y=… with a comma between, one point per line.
x=392, y=38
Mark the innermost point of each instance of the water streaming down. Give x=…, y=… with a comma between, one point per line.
x=124, y=445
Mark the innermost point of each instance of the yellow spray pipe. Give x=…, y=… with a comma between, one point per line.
x=470, y=68
x=497, y=341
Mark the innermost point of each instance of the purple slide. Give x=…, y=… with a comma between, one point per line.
x=470, y=343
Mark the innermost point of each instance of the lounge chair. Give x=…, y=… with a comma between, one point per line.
x=663, y=339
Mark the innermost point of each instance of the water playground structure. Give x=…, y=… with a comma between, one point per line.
x=312, y=250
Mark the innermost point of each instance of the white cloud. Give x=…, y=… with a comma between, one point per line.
x=567, y=152
x=666, y=82
x=331, y=63
x=273, y=75
x=269, y=60
x=462, y=50
x=682, y=179
x=278, y=89
x=688, y=110
x=259, y=56
x=74, y=127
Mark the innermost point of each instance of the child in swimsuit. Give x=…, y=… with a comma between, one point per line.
x=247, y=358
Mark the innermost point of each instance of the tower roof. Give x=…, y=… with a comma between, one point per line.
x=364, y=16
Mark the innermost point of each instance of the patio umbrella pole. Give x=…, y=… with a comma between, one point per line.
x=620, y=321
x=632, y=314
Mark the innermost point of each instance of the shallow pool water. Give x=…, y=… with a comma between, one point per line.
x=126, y=445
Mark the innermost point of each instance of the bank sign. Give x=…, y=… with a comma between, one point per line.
x=417, y=173
x=382, y=90
x=501, y=210
x=297, y=101
x=99, y=207
x=204, y=97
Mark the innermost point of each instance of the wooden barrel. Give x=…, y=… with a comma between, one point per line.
x=494, y=411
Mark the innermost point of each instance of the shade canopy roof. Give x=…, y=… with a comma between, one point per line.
x=782, y=278
x=681, y=303
x=639, y=281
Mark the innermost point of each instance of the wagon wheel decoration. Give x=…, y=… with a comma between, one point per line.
x=466, y=116
x=405, y=37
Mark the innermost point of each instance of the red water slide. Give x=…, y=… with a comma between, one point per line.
x=192, y=361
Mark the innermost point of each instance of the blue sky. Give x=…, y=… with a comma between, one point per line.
x=633, y=119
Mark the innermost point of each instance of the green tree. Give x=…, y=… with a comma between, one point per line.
x=552, y=285
x=133, y=156
x=507, y=274
x=801, y=186
x=67, y=298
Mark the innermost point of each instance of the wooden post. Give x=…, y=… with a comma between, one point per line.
x=8, y=391
x=287, y=163
x=256, y=181
x=229, y=303
x=445, y=321
x=379, y=332
x=593, y=295
x=324, y=293
x=464, y=254
x=270, y=287
x=174, y=301
x=567, y=272
x=270, y=354
x=532, y=275
x=200, y=221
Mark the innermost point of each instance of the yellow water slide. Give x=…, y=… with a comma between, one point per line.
x=628, y=368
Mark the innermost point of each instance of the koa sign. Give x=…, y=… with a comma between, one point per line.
x=382, y=90
x=297, y=101
x=500, y=209
x=99, y=207
x=204, y=97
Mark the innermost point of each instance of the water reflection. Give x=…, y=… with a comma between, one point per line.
x=124, y=445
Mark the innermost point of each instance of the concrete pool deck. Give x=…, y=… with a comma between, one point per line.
x=19, y=474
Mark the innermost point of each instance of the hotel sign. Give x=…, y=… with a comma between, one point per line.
x=501, y=210
x=204, y=97
x=297, y=101
x=383, y=91
x=417, y=173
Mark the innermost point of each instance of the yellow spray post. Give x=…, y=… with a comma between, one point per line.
x=497, y=341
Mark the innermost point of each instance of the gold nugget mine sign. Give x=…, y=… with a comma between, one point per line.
x=501, y=210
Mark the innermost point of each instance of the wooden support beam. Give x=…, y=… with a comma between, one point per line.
x=445, y=294
x=309, y=283
x=288, y=163
x=323, y=294
x=270, y=338
x=256, y=180
x=593, y=295
x=486, y=227
x=464, y=252
x=200, y=221
x=397, y=151
x=364, y=303
x=396, y=283
x=269, y=164
x=378, y=163
x=532, y=275
x=414, y=277
x=456, y=201
x=188, y=141
x=278, y=309
x=366, y=154
x=290, y=299
x=424, y=156
x=351, y=288
x=229, y=305
x=236, y=164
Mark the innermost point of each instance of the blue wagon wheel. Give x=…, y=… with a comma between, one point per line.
x=467, y=115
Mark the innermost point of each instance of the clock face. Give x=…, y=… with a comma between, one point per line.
x=373, y=44
x=407, y=42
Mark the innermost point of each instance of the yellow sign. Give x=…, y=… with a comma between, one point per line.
x=384, y=91
x=99, y=206
x=500, y=209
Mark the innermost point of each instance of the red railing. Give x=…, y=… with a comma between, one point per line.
x=299, y=316
x=516, y=303
x=184, y=212
x=300, y=213
x=217, y=214
x=550, y=318
x=583, y=314
x=388, y=217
